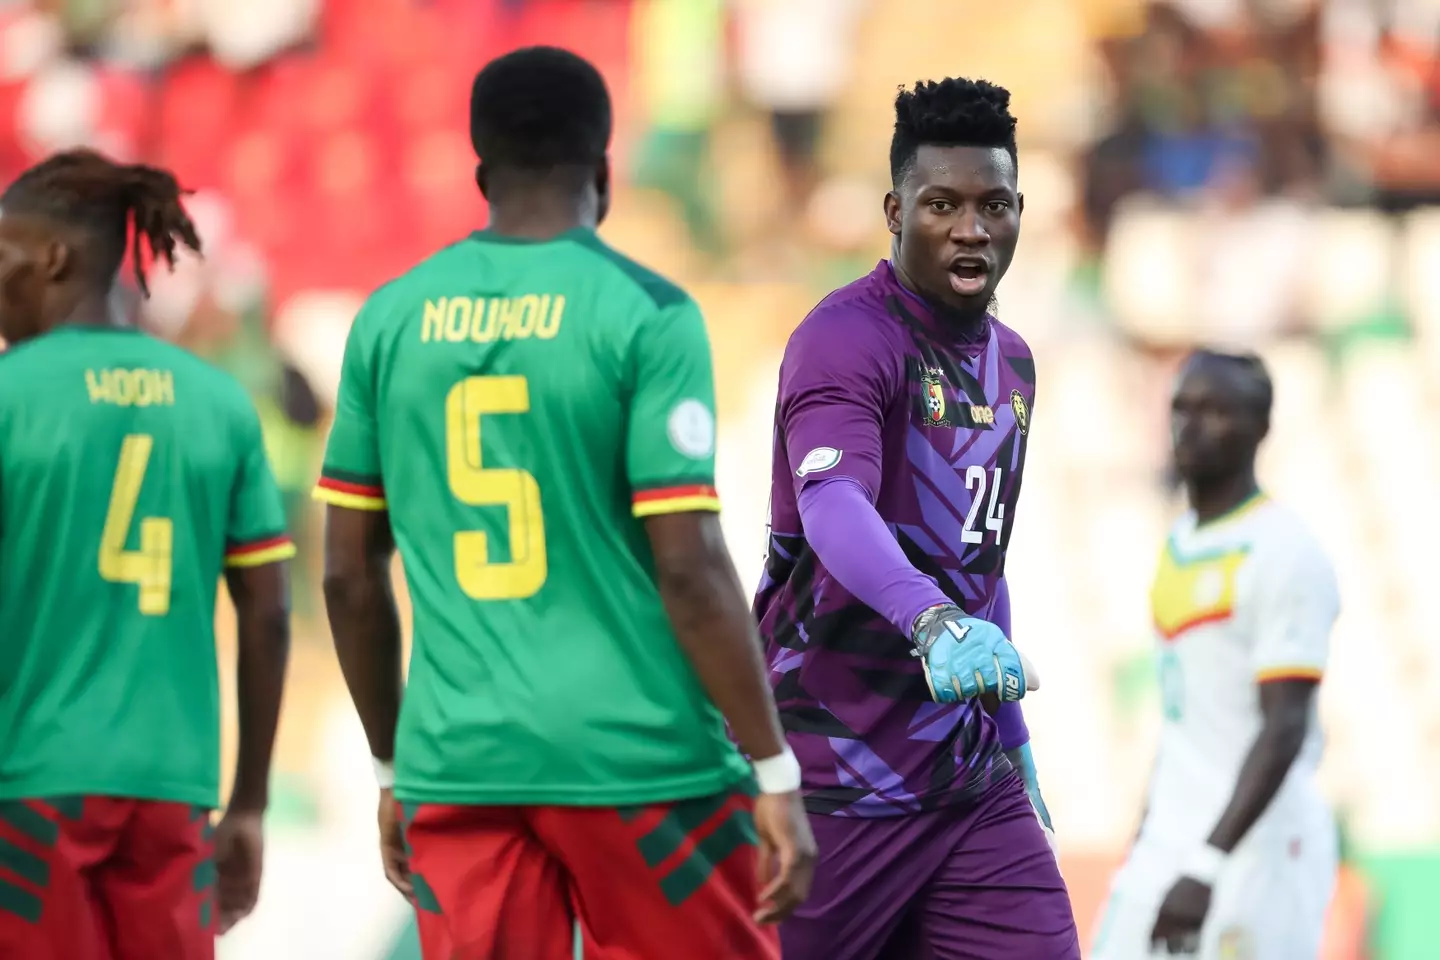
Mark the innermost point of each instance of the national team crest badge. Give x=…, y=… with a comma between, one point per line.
x=933, y=388
x=1022, y=412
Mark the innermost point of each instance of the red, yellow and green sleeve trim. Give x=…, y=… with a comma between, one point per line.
x=257, y=553
x=345, y=490
x=1272, y=674
x=681, y=498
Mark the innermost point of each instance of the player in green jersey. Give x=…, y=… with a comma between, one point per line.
x=131, y=475
x=529, y=416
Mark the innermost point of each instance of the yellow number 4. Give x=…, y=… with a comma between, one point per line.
x=473, y=484
x=149, y=567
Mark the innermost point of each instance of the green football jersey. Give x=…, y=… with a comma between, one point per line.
x=130, y=472
x=518, y=407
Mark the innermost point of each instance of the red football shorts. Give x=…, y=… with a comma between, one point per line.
x=105, y=878
x=640, y=883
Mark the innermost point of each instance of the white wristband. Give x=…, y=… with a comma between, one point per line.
x=384, y=773
x=778, y=774
x=1205, y=864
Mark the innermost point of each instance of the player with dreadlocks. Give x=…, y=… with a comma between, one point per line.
x=900, y=439
x=131, y=475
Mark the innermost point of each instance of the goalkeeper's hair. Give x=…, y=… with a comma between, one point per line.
x=954, y=112
x=108, y=203
x=1252, y=366
x=539, y=108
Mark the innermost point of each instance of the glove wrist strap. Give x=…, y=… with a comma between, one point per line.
x=918, y=636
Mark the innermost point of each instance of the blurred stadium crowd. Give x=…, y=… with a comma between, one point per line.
x=1262, y=173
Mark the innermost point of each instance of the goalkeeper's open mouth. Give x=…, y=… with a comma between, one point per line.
x=969, y=275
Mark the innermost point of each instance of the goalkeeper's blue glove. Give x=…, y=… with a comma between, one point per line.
x=965, y=657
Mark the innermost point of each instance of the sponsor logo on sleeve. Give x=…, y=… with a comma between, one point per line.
x=691, y=428
x=818, y=460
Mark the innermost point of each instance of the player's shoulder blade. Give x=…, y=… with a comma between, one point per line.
x=624, y=274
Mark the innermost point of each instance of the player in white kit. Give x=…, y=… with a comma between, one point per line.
x=1236, y=857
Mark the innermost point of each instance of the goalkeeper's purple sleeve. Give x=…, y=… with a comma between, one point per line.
x=1009, y=718
x=842, y=527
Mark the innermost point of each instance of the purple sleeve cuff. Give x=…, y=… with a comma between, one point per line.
x=860, y=552
x=1009, y=718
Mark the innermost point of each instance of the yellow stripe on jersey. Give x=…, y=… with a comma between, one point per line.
x=355, y=496
x=261, y=552
x=1271, y=674
x=695, y=497
x=1191, y=591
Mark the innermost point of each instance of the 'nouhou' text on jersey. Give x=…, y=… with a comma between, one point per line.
x=485, y=319
x=137, y=387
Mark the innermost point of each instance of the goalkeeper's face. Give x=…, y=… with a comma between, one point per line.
x=1214, y=429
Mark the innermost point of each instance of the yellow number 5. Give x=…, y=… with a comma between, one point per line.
x=473, y=484
x=149, y=567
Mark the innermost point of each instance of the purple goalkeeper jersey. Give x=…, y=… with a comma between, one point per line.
x=874, y=388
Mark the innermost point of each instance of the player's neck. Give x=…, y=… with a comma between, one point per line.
x=91, y=310
x=961, y=324
x=1214, y=499
x=540, y=216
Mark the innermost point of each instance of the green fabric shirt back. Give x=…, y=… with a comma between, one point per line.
x=519, y=407
x=130, y=472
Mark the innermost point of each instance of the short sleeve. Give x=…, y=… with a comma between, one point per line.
x=834, y=390
x=670, y=438
x=1295, y=603
x=351, y=475
x=255, y=532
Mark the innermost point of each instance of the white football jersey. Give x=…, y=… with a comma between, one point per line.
x=1243, y=599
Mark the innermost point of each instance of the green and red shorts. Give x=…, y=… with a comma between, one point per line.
x=524, y=883
x=106, y=878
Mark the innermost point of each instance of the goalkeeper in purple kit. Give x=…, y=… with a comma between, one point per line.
x=900, y=440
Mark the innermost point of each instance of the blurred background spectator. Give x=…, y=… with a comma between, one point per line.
x=1261, y=173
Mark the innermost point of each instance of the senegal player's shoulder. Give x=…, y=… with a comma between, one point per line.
x=1276, y=529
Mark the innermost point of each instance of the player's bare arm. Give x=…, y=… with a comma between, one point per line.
x=712, y=622
x=262, y=610
x=365, y=625
x=1286, y=706
x=360, y=603
x=261, y=595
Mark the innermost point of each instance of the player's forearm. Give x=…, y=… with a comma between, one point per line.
x=713, y=625
x=1261, y=775
x=263, y=628
x=860, y=552
x=365, y=624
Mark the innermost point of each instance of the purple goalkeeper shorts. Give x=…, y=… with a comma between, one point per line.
x=977, y=884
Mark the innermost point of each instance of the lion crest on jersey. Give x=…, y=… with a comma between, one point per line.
x=933, y=389
x=1022, y=412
